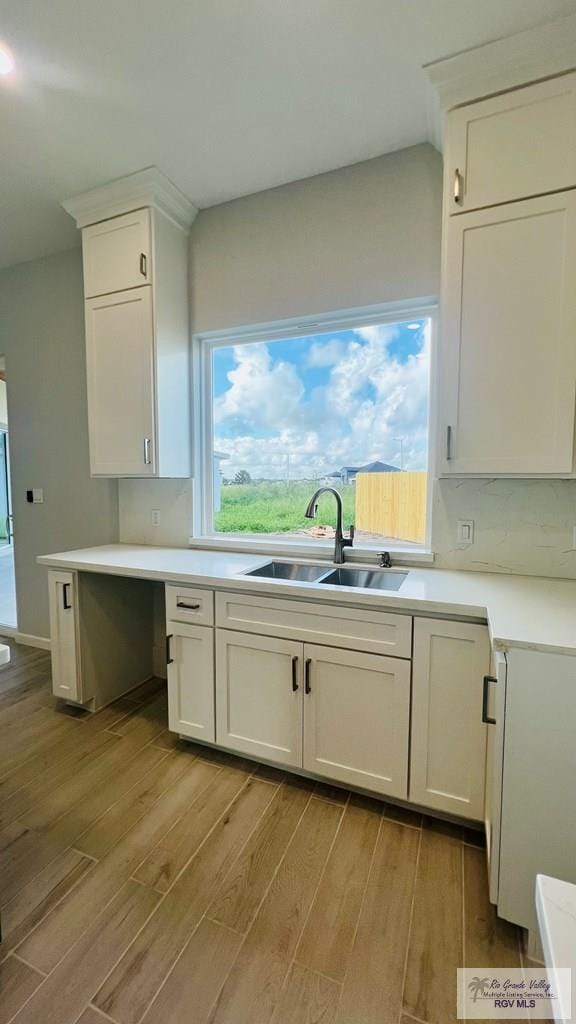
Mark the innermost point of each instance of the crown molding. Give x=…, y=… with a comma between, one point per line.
x=504, y=64
x=144, y=188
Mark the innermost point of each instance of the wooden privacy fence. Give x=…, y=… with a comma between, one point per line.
x=392, y=504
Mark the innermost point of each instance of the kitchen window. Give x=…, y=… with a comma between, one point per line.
x=341, y=403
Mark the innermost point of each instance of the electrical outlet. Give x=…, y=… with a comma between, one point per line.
x=37, y=495
x=155, y=517
x=465, y=531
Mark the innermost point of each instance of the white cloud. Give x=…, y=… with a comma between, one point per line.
x=325, y=353
x=261, y=394
x=369, y=401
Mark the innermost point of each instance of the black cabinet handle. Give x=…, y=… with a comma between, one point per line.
x=485, y=716
x=307, y=686
x=66, y=604
x=294, y=674
x=143, y=264
x=169, y=658
x=190, y=607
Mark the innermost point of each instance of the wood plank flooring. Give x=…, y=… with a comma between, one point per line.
x=147, y=880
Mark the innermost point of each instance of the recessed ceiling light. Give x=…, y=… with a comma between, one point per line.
x=7, y=62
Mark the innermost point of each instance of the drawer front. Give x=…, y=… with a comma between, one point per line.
x=361, y=629
x=188, y=604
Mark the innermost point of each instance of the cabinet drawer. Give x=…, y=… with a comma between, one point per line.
x=117, y=254
x=187, y=604
x=361, y=629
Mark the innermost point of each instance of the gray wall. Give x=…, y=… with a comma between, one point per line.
x=42, y=337
x=361, y=235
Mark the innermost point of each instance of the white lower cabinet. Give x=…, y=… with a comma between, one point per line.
x=190, y=658
x=448, y=754
x=259, y=693
x=357, y=718
x=62, y=601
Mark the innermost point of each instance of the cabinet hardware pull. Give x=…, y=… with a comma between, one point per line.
x=147, y=445
x=169, y=658
x=457, y=186
x=143, y=264
x=191, y=607
x=65, y=603
x=294, y=674
x=307, y=686
x=485, y=716
x=448, y=444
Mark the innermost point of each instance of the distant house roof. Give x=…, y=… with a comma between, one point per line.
x=378, y=467
x=371, y=467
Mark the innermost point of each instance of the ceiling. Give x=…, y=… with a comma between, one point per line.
x=226, y=97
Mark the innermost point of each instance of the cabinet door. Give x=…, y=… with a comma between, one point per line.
x=116, y=254
x=65, y=662
x=191, y=680
x=513, y=146
x=508, y=359
x=357, y=718
x=494, y=765
x=259, y=696
x=448, y=757
x=120, y=369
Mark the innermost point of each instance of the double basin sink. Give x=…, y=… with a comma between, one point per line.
x=341, y=576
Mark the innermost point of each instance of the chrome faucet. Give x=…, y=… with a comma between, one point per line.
x=340, y=542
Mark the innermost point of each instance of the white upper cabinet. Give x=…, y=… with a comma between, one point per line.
x=120, y=372
x=135, y=251
x=117, y=254
x=507, y=362
x=512, y=146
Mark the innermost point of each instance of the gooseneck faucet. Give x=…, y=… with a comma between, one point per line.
x=340, y=542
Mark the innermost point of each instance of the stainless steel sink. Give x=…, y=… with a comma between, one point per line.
x=343, y=576
x=289, y=571
x=370, y=579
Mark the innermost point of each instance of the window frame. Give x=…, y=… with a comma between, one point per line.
x=203, y=344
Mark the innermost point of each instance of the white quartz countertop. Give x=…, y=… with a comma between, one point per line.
x=521, y=611
x=556, y=906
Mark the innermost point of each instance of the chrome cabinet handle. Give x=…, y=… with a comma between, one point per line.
x=485, y=684
x=143, y=264
x=307, y=686
x=190, y=607
x=65, y=603
x=147, y=448
x=169, y=658
x=458, y=191
x=294, y=674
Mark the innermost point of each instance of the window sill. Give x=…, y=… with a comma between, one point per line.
x=312, y=549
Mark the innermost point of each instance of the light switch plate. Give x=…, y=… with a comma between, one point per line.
x=155, y=517
x=37, y=495
x=465, y=531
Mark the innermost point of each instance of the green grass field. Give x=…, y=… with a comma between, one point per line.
x=278, y=507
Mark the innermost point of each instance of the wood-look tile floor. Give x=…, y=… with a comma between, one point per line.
x=144, y=879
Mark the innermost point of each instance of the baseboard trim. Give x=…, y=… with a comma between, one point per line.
x=29, y=640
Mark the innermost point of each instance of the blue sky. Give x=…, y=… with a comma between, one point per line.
x=305, y=406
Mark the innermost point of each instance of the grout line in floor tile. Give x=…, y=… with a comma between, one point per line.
x=18, y=956
x=402, y=1012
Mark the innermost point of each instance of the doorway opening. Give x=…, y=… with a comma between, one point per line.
x=7, y=577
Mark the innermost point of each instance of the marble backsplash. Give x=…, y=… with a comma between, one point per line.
x=521, y=526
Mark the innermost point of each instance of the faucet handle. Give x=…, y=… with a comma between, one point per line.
x=352, y=532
